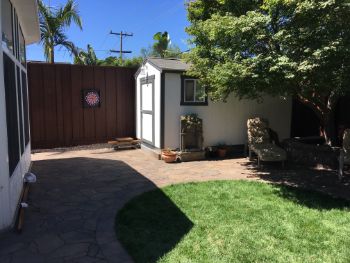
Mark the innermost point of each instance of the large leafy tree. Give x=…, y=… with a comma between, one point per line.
x=53, y=24
x=251, y=48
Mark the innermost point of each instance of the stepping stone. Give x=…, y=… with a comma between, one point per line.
x=71, y=251
x=48, y=243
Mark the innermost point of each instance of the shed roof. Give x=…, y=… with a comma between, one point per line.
x=172, y=64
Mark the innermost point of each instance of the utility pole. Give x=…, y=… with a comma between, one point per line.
x=121, y=51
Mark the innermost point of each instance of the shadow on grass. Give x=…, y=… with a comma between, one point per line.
x=307, y=181
x=151, y=225
x=312, y=199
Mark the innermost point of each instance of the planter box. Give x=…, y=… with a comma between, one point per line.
x=192, y=156
x=311, y=154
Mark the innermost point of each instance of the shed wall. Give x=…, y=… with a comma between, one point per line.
x=222, y=122
x=152, y=71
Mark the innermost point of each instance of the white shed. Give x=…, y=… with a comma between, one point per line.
x=164, y=94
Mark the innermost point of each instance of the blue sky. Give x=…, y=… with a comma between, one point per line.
x=142, y=17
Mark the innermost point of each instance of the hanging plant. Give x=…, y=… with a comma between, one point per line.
x=191, y=121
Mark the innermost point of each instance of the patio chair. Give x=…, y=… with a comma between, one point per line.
x=344, y=158
x=259, y=142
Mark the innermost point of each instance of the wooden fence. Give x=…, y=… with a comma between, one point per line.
x=58, y=118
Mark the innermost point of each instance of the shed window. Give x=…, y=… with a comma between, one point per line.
x=192, y=93
x=7, y=25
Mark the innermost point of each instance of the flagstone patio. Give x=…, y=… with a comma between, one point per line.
x=78, y=193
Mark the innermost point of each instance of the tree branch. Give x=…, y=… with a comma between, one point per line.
x=314, y=106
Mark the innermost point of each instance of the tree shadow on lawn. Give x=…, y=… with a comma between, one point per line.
x=299, y=183
x=94, y=189
x=151, y=225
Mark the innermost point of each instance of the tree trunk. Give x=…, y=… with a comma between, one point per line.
x=326, y=114
x=52, y=56
x=329, y=128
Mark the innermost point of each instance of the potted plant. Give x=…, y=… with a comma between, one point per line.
x=222, y=150
x=169, y=156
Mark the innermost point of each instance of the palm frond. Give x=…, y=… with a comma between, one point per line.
x=69, y=13
x=53, y=22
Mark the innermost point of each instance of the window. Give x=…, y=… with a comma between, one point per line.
x=25, y=108
x=7, y=26
x=15, y=80
x=15, y=35
x=11, y=113
x=20, y=109
x=22, y=48
x=192, y=93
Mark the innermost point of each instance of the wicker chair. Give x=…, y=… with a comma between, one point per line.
x=344, y=158
x=259, y=142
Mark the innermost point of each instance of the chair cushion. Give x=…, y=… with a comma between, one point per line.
x=347, y=157
x=269, y=152
x=346, y=140
x=258, y=131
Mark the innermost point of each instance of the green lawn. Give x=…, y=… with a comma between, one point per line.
x=235, y=221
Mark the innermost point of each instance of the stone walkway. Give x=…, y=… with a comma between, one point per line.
x=78, y=193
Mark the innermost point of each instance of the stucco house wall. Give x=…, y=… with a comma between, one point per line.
x=11, y=184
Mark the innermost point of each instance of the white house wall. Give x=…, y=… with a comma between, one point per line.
x=10, y=187
x=4, y=174
x=152, y=71
x=222, y=122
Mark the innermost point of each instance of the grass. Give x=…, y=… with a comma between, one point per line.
x=235, y=221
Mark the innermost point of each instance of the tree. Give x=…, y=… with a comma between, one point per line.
x=162, y=47
x=53, y=24
x=86, y=57
x=114, y=61
x=162, y=42
x=283, y=48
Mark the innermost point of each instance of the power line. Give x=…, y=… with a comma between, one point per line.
x=122, y=36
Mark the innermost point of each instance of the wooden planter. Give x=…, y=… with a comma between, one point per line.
x=222, y=152
x=169, y=156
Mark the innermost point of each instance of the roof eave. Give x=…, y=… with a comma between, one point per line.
x=28, y=16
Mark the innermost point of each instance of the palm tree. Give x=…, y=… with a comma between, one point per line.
x=87, y=57
x=53, y=23
x=162, y=43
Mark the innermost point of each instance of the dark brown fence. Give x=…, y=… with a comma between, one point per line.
x=57, y=115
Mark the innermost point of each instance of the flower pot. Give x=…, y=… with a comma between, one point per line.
x=222, y=153
x=169, y=156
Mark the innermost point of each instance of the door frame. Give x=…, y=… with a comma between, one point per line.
x=145, y=81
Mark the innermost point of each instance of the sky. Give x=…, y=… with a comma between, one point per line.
x=143, y=18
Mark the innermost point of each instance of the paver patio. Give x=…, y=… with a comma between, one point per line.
x=74, y=202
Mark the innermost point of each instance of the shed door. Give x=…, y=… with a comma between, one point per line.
x=147, y=111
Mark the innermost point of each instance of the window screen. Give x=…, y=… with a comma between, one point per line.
x=20, y=108
x=22, y=48
x=11, y=113
x=189, y=90
x=193, y=93
x=200, y=92
x=7, y=30
x=25, y=108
